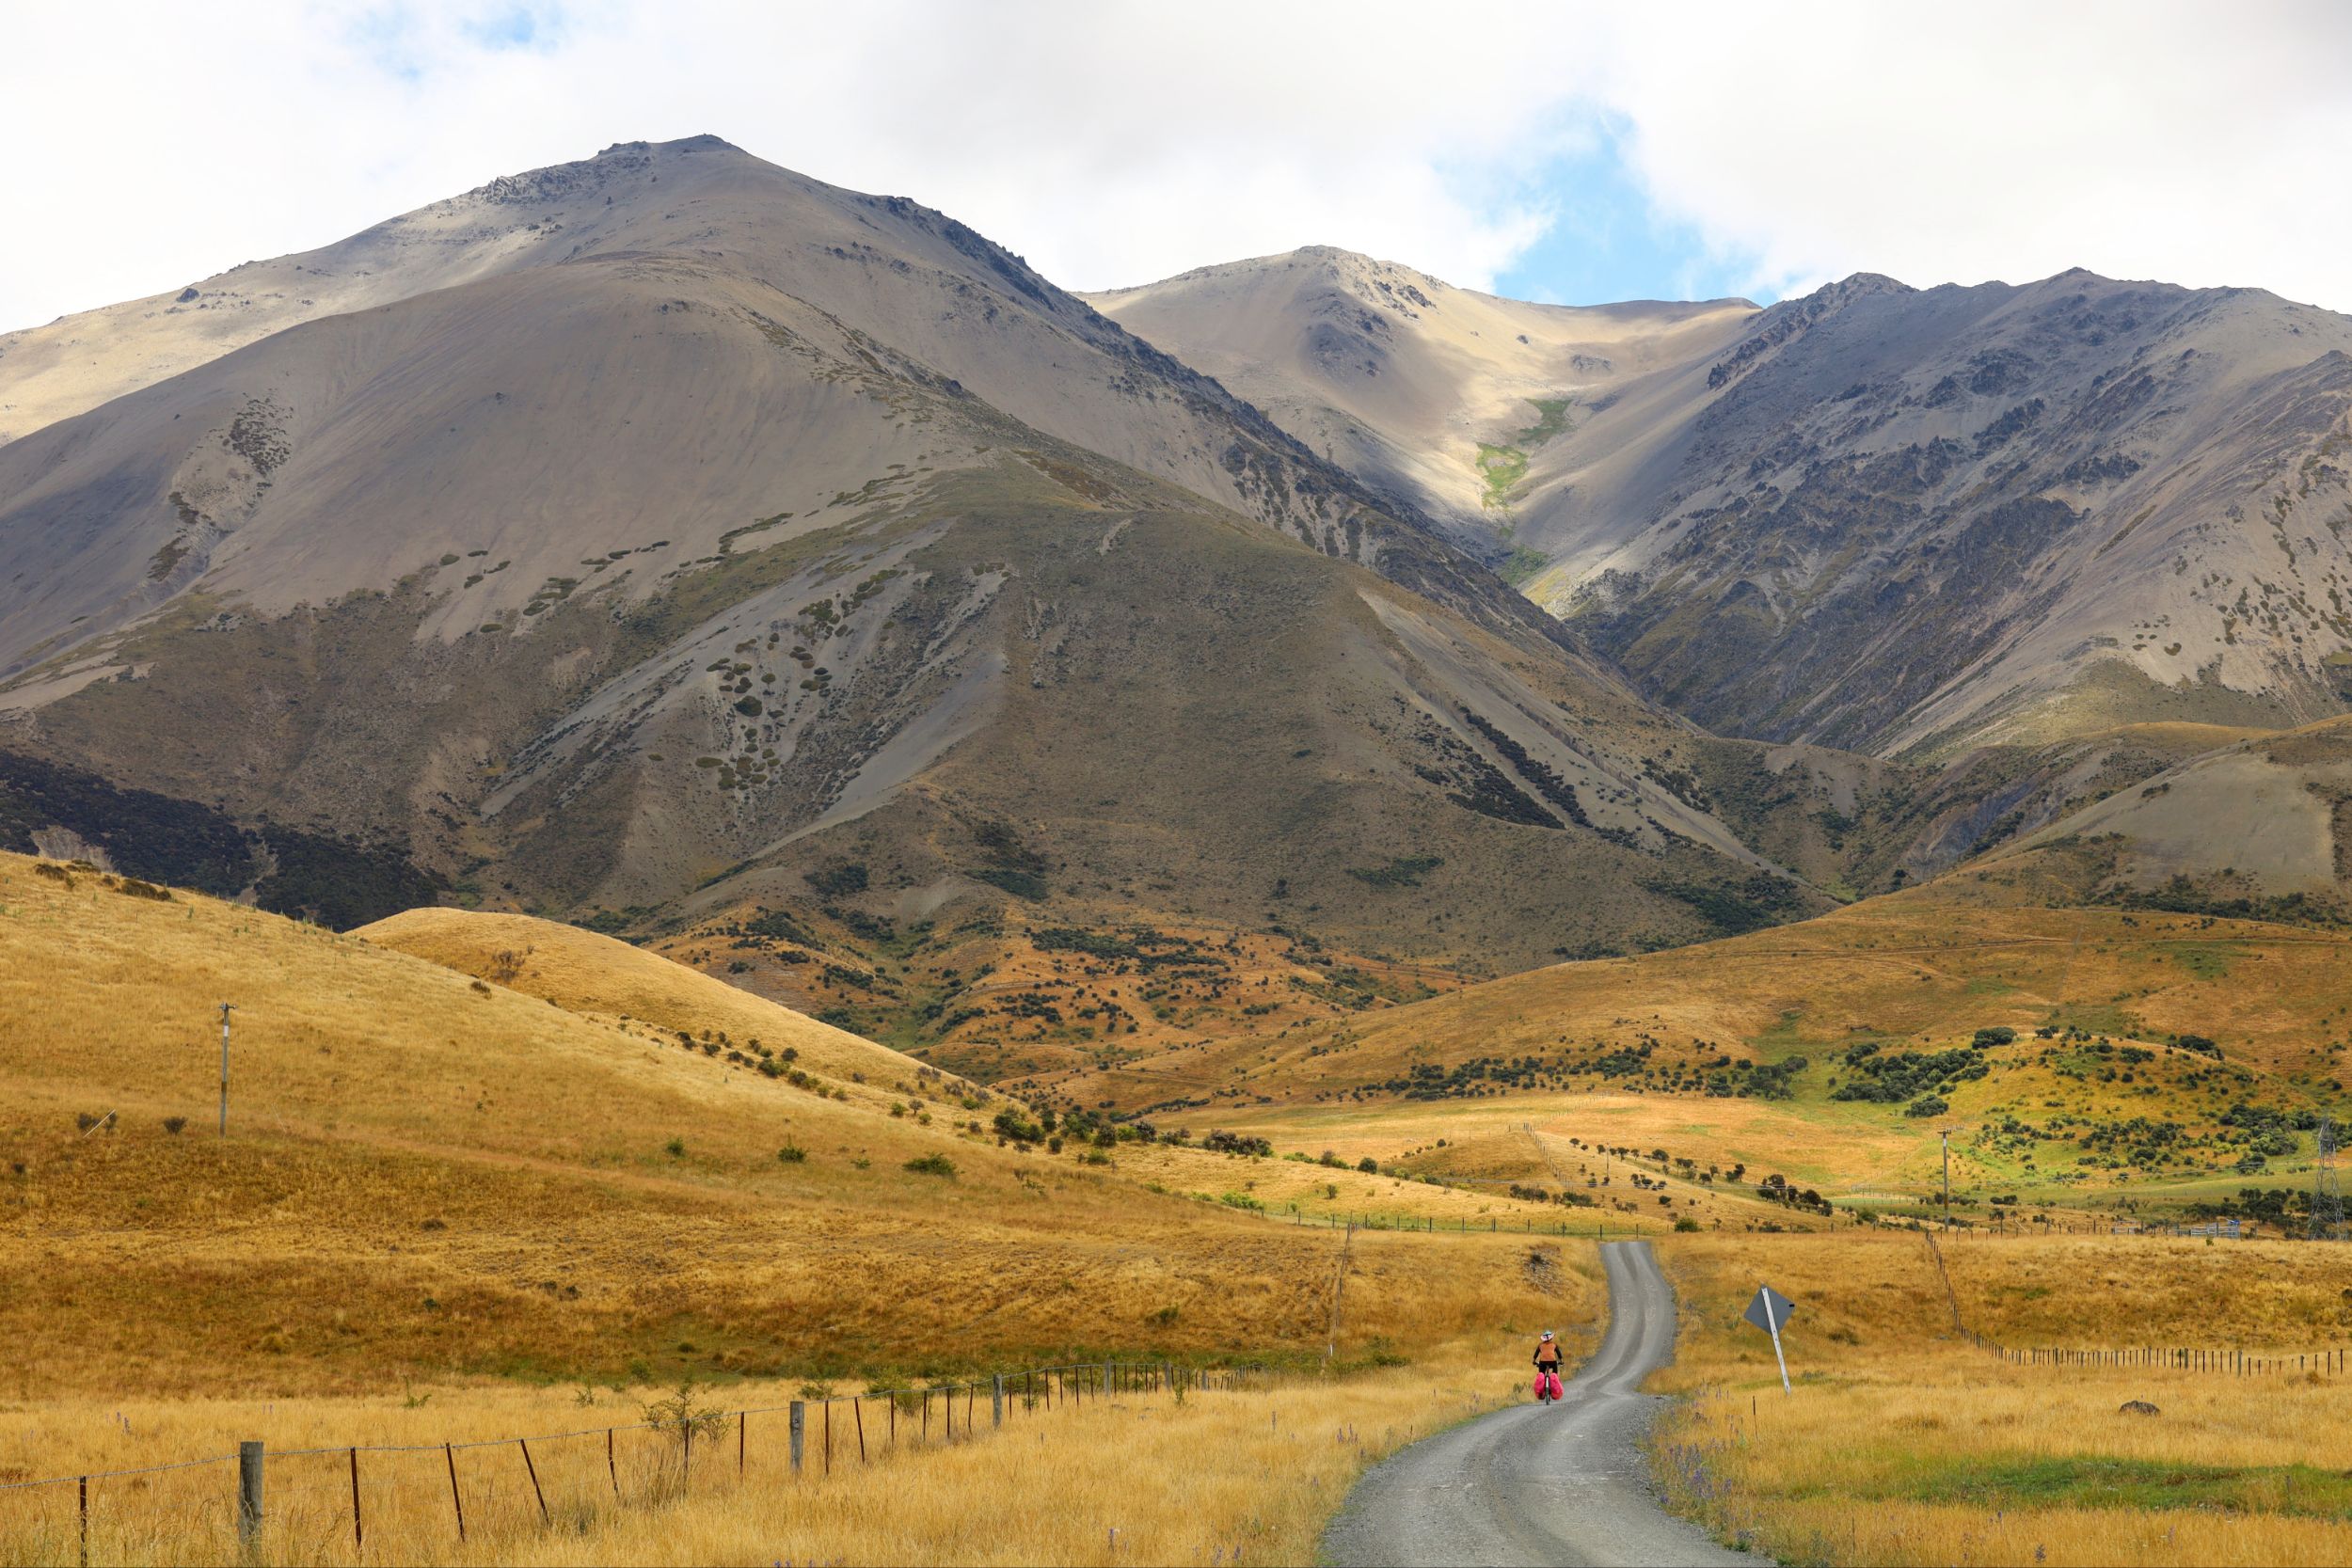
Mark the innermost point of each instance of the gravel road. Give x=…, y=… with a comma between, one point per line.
x=1560, y=1483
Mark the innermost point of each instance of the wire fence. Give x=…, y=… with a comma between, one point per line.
x=1592, y=1226
x=2179, y=1358
x=391, y=1501
x=2205, y=1360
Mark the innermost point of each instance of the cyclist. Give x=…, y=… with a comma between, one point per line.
x=1548, y=1367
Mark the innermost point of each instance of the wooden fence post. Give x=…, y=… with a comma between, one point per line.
x=829, y=1437
x=359, y=1537
x=997, y=1400
x=612, y=1467
x=83, y=1490
x=800, y=1420
x=455, y=1501
x=545, y=1517
x=857, y=1410
x=249, y=1497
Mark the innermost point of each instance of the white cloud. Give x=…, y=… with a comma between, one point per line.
x=2198, y=143
x=1117, y=143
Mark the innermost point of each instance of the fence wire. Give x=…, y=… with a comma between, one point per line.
x=333, y=1503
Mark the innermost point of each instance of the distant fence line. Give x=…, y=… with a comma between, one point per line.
x=1466, y=1225
x=2179, y=1358
x=689, y=1435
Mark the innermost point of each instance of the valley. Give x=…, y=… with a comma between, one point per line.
x=787, y=820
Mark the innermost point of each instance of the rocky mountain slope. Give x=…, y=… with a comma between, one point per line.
x=1893, y=520
x=1434, y=393
x=880, y=268
x=776, y=544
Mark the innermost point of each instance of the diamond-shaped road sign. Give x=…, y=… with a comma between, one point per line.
x=1770, y=1311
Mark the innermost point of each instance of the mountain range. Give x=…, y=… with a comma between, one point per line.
x=797, y=578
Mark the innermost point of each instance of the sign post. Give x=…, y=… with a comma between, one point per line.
x=1768, y=1311
x=224, y=1010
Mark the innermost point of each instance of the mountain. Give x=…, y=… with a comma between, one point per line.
x=1433, y=394
x=881, y=268
x=754, y=546
x=1900, y=521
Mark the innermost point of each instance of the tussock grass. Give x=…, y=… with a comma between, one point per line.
x=1905, y=1444
x=1244, y=1475
x=593, y=976
x=446, y=1205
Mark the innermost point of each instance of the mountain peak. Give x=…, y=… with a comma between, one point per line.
x=622, y=161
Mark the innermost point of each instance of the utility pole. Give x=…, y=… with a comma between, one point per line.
x=1946, y=1132
x=226, y=1009
x=2326, y=1220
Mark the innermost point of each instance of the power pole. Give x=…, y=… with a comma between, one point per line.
x=2326, y=1222
x=224, y=1010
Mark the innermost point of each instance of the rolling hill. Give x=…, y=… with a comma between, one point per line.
x=569, y=1169
x=2130, y=1055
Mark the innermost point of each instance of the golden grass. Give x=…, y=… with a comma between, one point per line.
x=1905, y=1444
x=427, y=1176
x=1138, y=1476
x=593, y=976
x=1543, y=1138
x=1930, y=963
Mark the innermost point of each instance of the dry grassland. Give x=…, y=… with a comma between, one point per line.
x=1928, y=964
x=1243, y=1476
x=427, y=1175
x=449, y=1211
x=1554, y=1139
x=1905, y=1444
x=598, y=977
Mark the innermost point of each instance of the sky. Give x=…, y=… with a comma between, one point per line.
x=1558, y=152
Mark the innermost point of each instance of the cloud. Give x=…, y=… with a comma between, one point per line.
x=2194, y=143
x=1120, y=142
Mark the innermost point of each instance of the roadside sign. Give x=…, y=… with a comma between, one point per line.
x=1768, y=1311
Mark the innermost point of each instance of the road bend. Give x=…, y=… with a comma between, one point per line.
x=1559, y=1483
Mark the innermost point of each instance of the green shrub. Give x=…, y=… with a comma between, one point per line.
x=791, y=1154
x=932, y=1165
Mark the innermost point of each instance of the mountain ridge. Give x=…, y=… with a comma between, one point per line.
x=1727, y=520
x=684, y=574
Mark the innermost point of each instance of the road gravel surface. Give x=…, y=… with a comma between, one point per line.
x=1559, y=1483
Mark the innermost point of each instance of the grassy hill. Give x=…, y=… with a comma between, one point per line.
x=430, y=1173
x=2110, y=1055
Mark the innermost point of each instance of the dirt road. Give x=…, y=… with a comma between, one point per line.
x=1560, y=1483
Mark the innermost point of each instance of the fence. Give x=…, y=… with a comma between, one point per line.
x=1468, y=1225
x=312, y=1504
x=2179, y=1358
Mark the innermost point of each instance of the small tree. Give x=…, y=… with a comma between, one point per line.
x=680, y=1419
